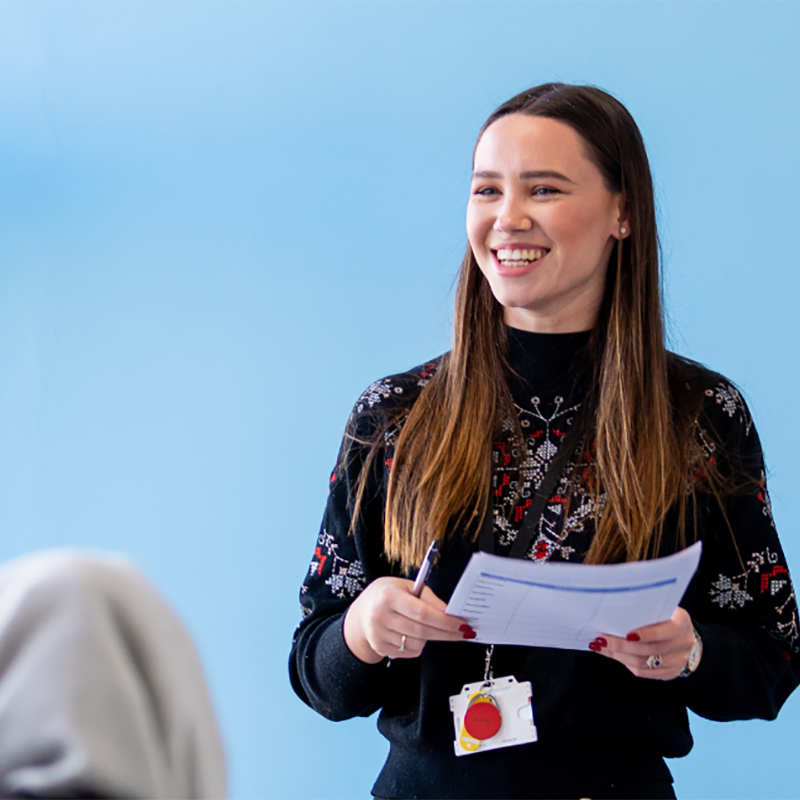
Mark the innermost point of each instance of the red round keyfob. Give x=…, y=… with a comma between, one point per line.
x=482, y=720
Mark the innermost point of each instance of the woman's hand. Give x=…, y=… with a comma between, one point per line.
x=669, y=642
x=385, y=612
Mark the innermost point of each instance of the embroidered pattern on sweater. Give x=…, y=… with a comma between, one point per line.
x=763, y=496
x=383, y=389
x=375, y=393
x=345, y=578
x=572, y=509
x=764, y=575
x=731, y=402
x=569, y=509
x=728, y=398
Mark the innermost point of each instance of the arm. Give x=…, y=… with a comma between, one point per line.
x=744, y=605
x=356, y=613
x=324, y=672
x=741, y=601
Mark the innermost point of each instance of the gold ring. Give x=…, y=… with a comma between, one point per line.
x=654, y=662
x=402, y=647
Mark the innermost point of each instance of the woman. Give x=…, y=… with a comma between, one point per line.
x=558, y=347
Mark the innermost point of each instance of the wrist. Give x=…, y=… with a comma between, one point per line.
x=695, y=654
x=356, y=641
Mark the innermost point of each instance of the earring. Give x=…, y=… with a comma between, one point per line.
x=623, y=230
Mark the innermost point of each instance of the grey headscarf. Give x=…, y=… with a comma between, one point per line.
x=101, y=691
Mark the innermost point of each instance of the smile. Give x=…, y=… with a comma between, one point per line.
x=519, y=257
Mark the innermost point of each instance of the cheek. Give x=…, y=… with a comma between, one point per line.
x=477, y=227
x=582, y=230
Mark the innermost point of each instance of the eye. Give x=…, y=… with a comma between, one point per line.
x=544, y=191
x=485, y=191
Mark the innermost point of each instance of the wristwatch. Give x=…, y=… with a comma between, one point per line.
x=694, y=656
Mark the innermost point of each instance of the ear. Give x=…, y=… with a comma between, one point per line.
x=624, y=219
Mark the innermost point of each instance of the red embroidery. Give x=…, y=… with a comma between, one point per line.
x=563, y=501
x=765, y=578
x=506, y=480
x=501, y=447
x=322, y=559
x=519, y=511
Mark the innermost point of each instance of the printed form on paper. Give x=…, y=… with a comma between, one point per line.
x=517, y=601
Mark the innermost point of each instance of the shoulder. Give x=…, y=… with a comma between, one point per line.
x=714, y=406
x=395, y=394
x=382, y=408
x=377, y=418
x=710, y=392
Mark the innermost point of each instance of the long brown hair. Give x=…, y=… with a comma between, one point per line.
x=642, y=441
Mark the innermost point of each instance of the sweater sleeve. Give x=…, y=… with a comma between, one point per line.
x=743, y=604
x=347, y=557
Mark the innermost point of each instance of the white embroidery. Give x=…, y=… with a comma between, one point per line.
x=375, y=392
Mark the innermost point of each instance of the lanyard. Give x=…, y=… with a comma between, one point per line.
x=544, y=490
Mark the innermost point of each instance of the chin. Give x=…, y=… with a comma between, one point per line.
x=512, y=301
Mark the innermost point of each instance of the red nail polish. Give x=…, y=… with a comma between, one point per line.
x=633, y=637
x=594, y=647
x=601, y=641
x=469, y=634
x=464, y=628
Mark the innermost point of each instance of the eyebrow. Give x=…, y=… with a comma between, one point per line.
x=540, y=173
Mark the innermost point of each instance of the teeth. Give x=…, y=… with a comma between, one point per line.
x=507, y=254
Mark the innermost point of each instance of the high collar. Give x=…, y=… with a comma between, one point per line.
x=546, y=362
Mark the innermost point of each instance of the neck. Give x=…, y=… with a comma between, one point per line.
x=565, y=320
x=545, y=362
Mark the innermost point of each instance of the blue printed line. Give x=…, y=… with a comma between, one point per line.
x=587, y=590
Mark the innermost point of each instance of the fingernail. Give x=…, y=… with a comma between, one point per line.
x=595, y=647
x=469, y=634
x=632, y=637
x=601, y=641
x=464, y=628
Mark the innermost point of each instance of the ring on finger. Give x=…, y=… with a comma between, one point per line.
x=402, y=647
x=654, y=661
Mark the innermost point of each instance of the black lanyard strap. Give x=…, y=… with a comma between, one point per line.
x=542, y=494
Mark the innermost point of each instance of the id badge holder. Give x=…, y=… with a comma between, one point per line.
x=492, y=713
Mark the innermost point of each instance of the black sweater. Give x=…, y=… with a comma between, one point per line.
x=598, y=725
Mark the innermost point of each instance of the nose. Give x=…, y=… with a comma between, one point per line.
x=512, y=215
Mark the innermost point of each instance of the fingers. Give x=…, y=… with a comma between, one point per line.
x=426, y=616
x=429, y=597
x=387, y=620
x=655, y=652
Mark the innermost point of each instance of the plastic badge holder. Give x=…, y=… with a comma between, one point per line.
x=514, y=702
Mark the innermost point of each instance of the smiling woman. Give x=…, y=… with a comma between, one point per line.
x=542, y=223
x=557, y=428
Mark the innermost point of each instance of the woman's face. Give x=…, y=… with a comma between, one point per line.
x=542, y=224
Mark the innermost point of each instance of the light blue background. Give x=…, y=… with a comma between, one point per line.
x=219, y=222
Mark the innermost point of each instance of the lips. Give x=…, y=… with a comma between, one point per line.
x=518, y=259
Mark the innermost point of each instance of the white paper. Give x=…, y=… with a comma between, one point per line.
x=517, y=601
